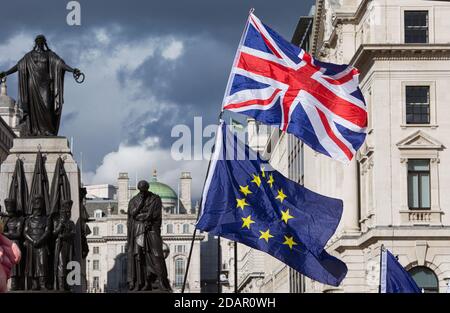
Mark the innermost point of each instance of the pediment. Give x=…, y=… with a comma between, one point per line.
x=419, y=140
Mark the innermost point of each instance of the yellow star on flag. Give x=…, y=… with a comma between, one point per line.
x=256, y=180
x=244, y=190
x=263, y=174
x=281, y=195
x=289, y=241
x=285, y=216
x=241, y=203
x=271, y=180
x=247, y=221
x=265, y=235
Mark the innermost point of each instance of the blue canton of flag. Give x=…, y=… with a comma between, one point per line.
x=394, y=278
x=278, y=83
x=246, y=201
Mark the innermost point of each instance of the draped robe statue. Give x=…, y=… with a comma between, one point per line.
x=13, y=230
x=146, y=264
x=37, y=233
x=64, y=232
x=41, y=89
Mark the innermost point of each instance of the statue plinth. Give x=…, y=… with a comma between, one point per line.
x=51, y=148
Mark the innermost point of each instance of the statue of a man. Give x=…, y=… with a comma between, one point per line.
x=13, y=230
x=41, y=88
x=37, y=233
x=64, y=232
x=146, y=262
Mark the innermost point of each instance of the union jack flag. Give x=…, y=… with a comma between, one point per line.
x=278, y=83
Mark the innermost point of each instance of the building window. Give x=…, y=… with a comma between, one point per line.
x=179, y=272
x=169, y=228
x=98, y=213
x=96, y=265
x=419, y=184
x=416, y=26
x=95, y=250
x=95, y=231
x=425, y=278
x=180, y=248
x=120, y=229
x=96, y=282
x=417, y=104
x=185, y=229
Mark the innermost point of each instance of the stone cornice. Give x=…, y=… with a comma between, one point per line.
x=180, y=217
x=369, y=52
x=316, y=25
x=164, y=237
x=383, y=233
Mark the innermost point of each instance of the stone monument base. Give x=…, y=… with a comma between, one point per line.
x=51, y=148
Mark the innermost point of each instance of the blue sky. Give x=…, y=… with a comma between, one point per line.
x=149, y=65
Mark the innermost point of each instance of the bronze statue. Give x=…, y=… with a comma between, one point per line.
x=146, y=264
x=60, y=188
x=41, y=88
x=18, y=189
x=13, y=229
x=64, y=232
x=37, y=233
x=39, y=186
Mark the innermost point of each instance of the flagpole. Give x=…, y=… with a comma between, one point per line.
x=219, y=264
x=235, y=267
x=189, y=260
x=381, y=265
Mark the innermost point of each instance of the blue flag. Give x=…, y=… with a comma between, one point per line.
x=394, y=278
x=245, y=200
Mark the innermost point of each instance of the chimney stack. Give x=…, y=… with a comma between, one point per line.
x=122, y=192
x=185, y=191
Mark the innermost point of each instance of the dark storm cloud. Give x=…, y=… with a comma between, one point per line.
x=191, y=85
x=194, y=83
x=223, y=19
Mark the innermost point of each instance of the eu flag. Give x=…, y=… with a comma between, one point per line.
x=394, y=278
x=245, y=200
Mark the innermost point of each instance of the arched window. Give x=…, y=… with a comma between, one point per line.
x=120, y=229
x=95, y=230
x=186, y=229
x=425, y=278
x=179, y=272
x=169, y=228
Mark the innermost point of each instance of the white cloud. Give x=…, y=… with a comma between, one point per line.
x=140, y=160
x=102, y=36
x=16, y=45
x=173, y=51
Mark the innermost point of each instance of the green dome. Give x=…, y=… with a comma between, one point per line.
x=162, y=190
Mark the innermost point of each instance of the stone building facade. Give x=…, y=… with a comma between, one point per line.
x=394, y=191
